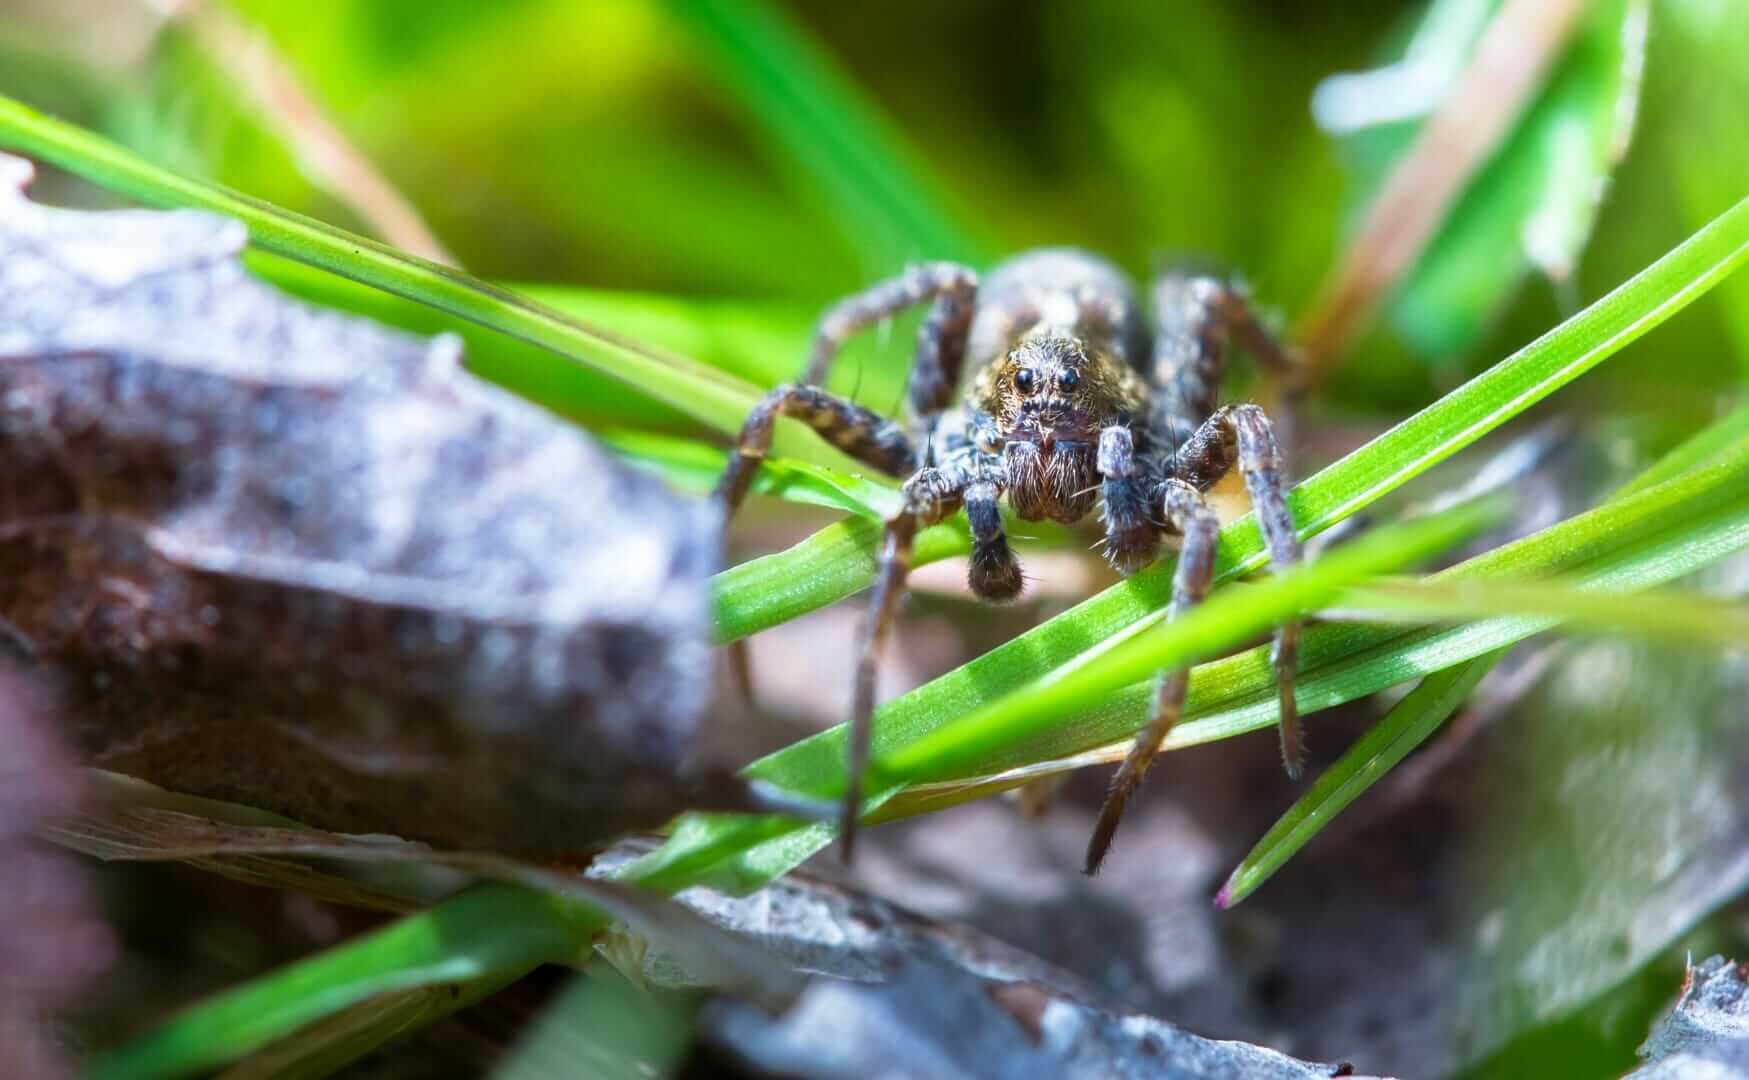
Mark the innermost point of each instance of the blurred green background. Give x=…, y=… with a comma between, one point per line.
x=639, y=145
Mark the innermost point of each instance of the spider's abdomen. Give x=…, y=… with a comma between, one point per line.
x=1074, y=292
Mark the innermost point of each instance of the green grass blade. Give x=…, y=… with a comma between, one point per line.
x=1709, y=443
x=1404, y=728
x=1652, y=538
x=1684, y=619
x=490, y=931
x=874, y=184
x=1417, y=716
x=1226, y=619
x=712, y=397
x=835, y=562
x=327, y=1046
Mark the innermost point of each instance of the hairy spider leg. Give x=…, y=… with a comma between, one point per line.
x=1184, y=511
x=941, y=340
x=1243, y=432
x=1197, y=316
x=1132, y=535
x=882, y=444
x=860, y=432
x=929, y=496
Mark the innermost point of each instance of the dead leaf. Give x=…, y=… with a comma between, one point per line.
x=289, y=558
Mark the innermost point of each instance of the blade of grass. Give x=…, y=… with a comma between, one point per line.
x=1414, y=719
x=1407, y=726
x=817, y=116
x=1351, y=661
x=1221, y=622
x=1709, y=443
x=325, y=1047
x=488, y=932
x=693, y=466
x=1691, y=619
x=712, y=397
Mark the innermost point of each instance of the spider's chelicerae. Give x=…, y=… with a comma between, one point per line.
x=1073, y=398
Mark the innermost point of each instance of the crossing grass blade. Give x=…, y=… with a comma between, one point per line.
x=1414, y=719
x=714, y=398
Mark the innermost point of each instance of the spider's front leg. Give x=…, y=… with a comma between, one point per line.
x=1186, y=513
x=930, y=496
x=1243, y=433
x=859, y=432
x=941, y=340
x=1132, y=536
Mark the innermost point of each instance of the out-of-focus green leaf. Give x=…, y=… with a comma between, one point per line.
x=1532, y=206
x=491, y=931
x=837, y=139
x=1693, y=620
x=1704, y=144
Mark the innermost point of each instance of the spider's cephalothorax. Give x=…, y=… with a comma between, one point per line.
x=1073, y=399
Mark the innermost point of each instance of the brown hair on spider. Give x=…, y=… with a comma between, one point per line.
x=1050, y=397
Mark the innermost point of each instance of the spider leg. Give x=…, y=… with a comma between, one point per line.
x=993, y=572
x=863, y=434
x=1243, y=432
x=1132, y=536
x=1185, y=512
x=860, y=432
x=883, y=606
x=1196, y=316
x=941, y=341
x=930, y=496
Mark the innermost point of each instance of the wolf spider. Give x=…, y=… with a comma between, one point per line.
x=1071, y=399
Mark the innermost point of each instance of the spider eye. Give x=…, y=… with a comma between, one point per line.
x=1023, y=380
x=1068, y=380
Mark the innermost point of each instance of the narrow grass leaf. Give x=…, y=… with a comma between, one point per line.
x=1223, y=621
x=712, y=397
x=826, y=126
x=1404, y=728
x=1692, y=619
x=693, y=466
x=490, y=931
